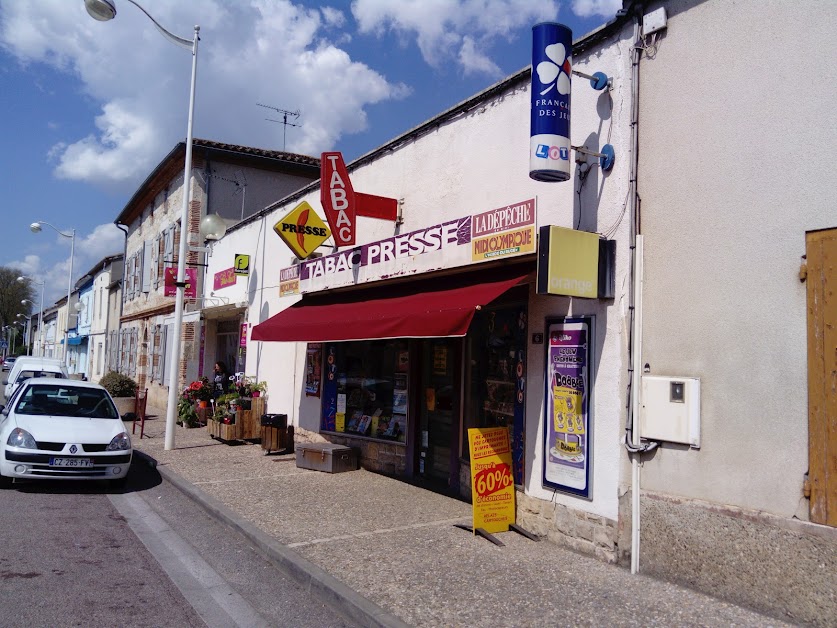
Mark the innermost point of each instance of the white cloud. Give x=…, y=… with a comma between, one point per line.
x=446, y=31
x=251, y=51
x=103, y=241
x=604, y=8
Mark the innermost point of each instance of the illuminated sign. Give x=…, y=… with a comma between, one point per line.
x=338, y=198
x=302, y=230
x=549, y=135
x=568, y=262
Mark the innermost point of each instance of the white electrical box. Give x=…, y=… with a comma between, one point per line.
x=670, y=409
x=654, y=21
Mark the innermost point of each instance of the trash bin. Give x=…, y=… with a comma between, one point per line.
x=276, y=434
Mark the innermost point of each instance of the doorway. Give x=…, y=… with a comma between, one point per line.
x=439, y=415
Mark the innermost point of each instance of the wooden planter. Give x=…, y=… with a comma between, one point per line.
x=223, y=431
x=250, y=420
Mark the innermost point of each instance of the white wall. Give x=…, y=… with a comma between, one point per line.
x=738, y=153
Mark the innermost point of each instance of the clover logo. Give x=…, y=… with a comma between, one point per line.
x=555, y=73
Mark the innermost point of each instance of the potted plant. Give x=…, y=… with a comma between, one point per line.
x=259, y=389
x=186, y=413
x=122, y=388
x=244, y=388
x=199, y=391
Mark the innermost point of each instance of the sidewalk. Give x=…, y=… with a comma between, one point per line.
x=388, y=553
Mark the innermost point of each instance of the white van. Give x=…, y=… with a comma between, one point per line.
x=29, y=366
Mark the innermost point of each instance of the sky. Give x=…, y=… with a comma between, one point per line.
x=88, y=109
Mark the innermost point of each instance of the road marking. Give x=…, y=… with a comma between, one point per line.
x=205, y=590
x=414, y=526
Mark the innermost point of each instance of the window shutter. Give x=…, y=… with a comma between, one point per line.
x=155, y=262
x=146, y=264
x=166, y=352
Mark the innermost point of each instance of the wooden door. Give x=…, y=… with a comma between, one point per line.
x=821, y=249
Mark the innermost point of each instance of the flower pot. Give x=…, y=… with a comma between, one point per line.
x=203, y=404
x=244, y=403
x=257, y=393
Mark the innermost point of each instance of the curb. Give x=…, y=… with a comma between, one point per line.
x=343, y=598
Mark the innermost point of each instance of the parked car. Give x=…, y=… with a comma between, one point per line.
x=8, y=363
x=63, y=429
x=31, y=363
x=34, y=370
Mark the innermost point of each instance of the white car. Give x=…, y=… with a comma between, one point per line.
x=32, y=363
x=63, y=429
x=34, y=370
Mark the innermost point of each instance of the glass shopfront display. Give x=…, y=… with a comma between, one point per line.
x=365, y=392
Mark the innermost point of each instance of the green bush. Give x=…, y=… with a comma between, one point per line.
x=118, y=385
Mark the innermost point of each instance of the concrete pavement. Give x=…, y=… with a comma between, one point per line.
x=389, y=554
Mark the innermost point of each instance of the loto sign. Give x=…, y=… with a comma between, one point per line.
x=342, y=204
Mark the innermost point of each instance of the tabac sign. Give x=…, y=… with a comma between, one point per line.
x=302, y=230
x=342, y=204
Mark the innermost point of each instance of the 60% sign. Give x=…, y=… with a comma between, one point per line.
x=493, y=479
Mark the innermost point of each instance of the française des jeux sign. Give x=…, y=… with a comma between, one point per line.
x=499, y=233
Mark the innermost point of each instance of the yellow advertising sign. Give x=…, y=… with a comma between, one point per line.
x=568, y=262
x=497, y=245
x=302, y=230
x=242, y=264
x=492, y=483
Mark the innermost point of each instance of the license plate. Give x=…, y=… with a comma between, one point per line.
x=71, y=462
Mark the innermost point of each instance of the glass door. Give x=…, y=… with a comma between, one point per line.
x=439, y=416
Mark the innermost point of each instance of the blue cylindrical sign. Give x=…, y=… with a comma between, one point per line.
x=549, y=137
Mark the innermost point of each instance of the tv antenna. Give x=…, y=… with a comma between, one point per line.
x=284, y=121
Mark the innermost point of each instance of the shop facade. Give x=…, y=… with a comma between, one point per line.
x=432, y=323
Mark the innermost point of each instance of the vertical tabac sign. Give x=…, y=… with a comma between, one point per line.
x=338, y=198
x=492, y=484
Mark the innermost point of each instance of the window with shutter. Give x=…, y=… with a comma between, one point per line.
x=165, y=351
x=156, y=261
x=146, y=264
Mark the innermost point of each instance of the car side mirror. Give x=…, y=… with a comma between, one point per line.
x=2, y=409
x=5, y=382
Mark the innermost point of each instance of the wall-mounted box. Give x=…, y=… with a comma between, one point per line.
x=670, y=409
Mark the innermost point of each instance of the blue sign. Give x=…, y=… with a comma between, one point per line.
x=4, y=344
x=549, y=137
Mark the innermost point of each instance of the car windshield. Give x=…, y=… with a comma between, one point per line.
x=69, y=401
x=24, y=375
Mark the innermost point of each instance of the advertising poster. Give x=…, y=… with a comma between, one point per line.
x=331, y=404
x=313, y=369
x=190, y=279
x=492, y=485
x=567, y=412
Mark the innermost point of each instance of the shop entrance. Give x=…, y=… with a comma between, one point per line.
x=439, y=414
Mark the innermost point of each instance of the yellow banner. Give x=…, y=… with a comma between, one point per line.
x=492, y=483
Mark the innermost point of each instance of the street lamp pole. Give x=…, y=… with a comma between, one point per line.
x=36, y=228
x=104, y=10
x=40, y=314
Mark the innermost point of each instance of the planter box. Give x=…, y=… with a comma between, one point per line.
x=249, y=420
x=223, y=431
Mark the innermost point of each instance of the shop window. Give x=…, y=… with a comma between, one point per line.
x=365, y=389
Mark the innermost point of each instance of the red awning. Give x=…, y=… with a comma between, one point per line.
x=423, y=308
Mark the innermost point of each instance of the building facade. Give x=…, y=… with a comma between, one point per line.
x=720, y=292
x=226, y=180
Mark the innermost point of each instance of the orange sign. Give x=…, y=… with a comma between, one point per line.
x=302, y=230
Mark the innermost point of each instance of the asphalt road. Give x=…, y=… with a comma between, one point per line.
x=82, y=554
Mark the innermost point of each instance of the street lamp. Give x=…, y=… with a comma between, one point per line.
x=36, y=228
x=104, y=10
x=40, y=315
x=28, y=322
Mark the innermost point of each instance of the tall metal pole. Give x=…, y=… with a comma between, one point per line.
x=41, y=323
x=174, y=365
x=69, y=293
